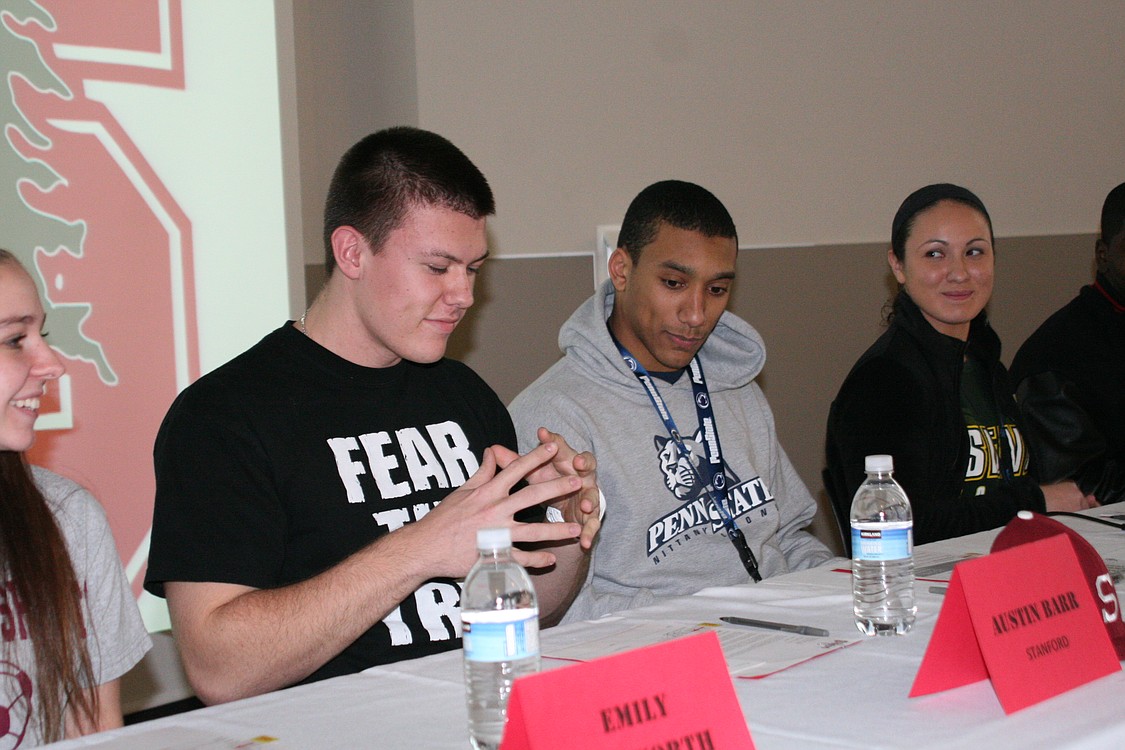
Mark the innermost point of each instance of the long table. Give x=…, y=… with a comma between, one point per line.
x=852, y=698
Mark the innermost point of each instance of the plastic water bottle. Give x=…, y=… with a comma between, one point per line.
x=500, y=625
x=882, y=552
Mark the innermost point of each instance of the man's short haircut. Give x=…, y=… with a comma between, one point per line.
x=683, y=205
x=387, y=173
x=1113, y=213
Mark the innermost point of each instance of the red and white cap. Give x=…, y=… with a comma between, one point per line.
x=1030, y=527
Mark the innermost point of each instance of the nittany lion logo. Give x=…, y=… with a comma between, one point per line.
x=684, y=476
x=681, y=473
x=694, y=512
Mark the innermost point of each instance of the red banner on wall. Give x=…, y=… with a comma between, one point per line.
x=108, y=246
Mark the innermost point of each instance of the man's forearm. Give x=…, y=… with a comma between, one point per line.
x=236, y=641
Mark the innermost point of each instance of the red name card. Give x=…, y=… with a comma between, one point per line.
x=1023, y=617
x=677, y=694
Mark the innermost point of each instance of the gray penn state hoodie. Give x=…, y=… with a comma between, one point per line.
x=661, y=535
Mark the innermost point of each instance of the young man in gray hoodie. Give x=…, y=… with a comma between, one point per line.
x=658, y=382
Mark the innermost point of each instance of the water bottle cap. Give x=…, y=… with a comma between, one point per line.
x=879, y=462
x=490, y=539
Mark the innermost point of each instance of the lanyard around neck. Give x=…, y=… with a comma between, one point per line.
x=715, y=483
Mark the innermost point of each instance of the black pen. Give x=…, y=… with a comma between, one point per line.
x=785, y=627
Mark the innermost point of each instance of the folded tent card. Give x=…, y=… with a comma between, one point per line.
x=647, y=697
x=1036, y=630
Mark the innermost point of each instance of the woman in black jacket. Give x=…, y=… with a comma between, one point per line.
x=931, y=391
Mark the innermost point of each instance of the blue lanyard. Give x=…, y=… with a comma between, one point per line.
x=715, y=483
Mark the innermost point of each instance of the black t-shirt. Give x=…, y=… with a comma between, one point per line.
x=284, y=461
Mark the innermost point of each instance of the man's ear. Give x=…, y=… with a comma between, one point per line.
x=620, y=267
x=1101, y=255
x=896, y=266
x=348, y=247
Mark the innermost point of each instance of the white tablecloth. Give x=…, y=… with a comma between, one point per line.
x=852, y=698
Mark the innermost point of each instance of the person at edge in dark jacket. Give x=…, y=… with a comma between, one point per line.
x=932, y=392
x=1070, y=375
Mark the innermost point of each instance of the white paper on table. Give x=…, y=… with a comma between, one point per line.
x=750, y=652
x=931, y=565
x=182, y=738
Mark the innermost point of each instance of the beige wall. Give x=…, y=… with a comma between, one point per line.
x=810, y=119
x=354, y=74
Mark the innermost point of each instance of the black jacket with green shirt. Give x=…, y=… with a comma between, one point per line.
x=903, y=398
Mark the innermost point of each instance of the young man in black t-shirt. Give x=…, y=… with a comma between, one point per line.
x=318, y=496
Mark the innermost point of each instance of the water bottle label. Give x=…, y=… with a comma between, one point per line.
x=500, y=635
x=882, y=543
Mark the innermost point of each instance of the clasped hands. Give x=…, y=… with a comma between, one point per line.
x=556, y=475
